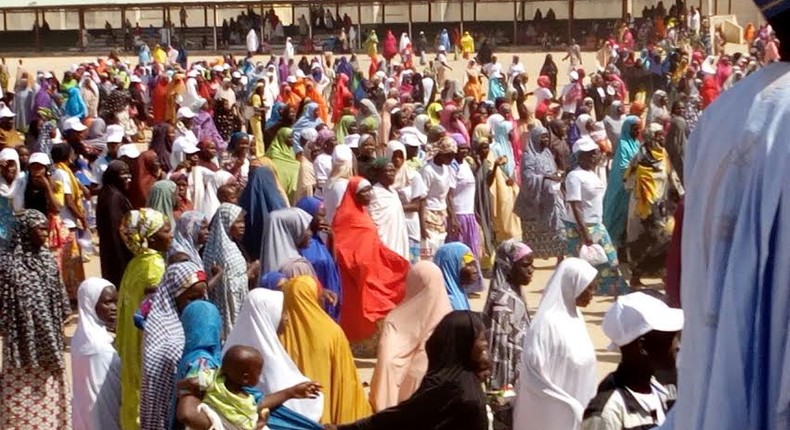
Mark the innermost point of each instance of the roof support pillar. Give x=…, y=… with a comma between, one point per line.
x=205, y=16
x=474, y=10
x=83, y=39
x=430, y=12
x=263, y=21
x=215, y=27
x=383, y=13
x=310, y=21
x=359, y=26
x=461, y=5
x=571, y=13
x=5, y=21
x=411, y=18
x=515, y=22
x=38, y=31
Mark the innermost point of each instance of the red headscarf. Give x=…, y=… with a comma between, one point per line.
x=143, y=178
x=341, y=98
x=390, y=46
x=373, y=276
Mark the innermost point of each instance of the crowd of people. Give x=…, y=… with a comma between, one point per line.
x=288, y=217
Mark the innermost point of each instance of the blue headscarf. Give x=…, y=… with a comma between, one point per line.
x=235, y=138
x=202, y=345
x=501, y=145
x=277, y=115
x=271, y=280
x=309, y=119
x=449, y=258
x=260, y=197
x=444, y=40
x=75, y=105
x=345, y=68
x=321, y=259
x=615, y=202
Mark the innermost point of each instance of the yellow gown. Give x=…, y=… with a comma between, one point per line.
x=143, y=272
x=320, y=349
x=467, y=43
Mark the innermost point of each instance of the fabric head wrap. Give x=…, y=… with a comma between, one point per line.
x=446, y=146
x=138, y=226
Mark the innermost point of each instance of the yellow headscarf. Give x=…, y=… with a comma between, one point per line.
x=433, y=112
x=321, y=351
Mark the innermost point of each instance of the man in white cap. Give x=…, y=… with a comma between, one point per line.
x=35, y=185
x=184, y=135
x=191, y=95
x=734, y=368
x=9, y=138
x=114, y=137
x=645, y=330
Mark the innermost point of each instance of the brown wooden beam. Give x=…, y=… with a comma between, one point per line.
x=38, y=33
x=571, y=6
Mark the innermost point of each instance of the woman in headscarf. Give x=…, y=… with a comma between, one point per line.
x=372, y=44
x=473, y=87
x=504, y=189
x=368, y=116
x=451, y=118
x=650, y=207
x=262, y=196
x=282, y=155
x=191, y=233
x=162, y=144
x=540, y=203
x=319, y=256
x=484, y=170
x=319, y=349
x=238, y=160
x=111, y=207
x=204, y=128
x=287, y=231
x=33, y=309
x=342, y=97
x=11, y=183
x=558, y=360
x=308, y=120
x=147, y=235
x=677, y=134
x=449, y=396
x=401, y=361
x=549, y=69
x=75, y=106
x=613, y=122
x=615, y=201
x=373, y=275
x=162, y=199
x=258, y=326
x=163, y=343
x=95, y=365
x=461, y=272
x=411, y=189
x=506, y=313
x=659, y=112
x=147, y=171
x=221, y=250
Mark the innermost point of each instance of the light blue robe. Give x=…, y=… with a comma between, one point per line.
x=615, y=201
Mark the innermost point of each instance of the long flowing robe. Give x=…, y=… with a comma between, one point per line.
x=282, y=155
x=111, y=207
x=321, y=351
x=615, y=202
x=261, y=197
x=558, y=360
x=402, y=361
x=372, y=274
x=386, y=210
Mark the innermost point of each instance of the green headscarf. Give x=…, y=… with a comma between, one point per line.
x=282, y=155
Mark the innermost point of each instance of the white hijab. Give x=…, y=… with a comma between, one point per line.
x=256, y=327
x=252, y=41
x=95, y=365
x=9, y=190
x=558, y=359
x=210, y=200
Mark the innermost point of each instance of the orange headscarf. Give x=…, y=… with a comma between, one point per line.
x=316, y=97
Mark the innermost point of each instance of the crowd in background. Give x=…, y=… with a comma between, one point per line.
x=261, y=224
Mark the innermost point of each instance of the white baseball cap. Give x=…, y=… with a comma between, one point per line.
x=352, y=141
x=185, y=112
x=128, y=150
x=115, y=133
x=189, y=148
x=342, y=154
x=39, y=158
x=636, y=314
x=584, y=144
x=74, y=123
x=5, y=112
x=192, y=74
x=574, y=75
x=135, y=79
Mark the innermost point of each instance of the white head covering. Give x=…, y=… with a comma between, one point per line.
x=91, y=336
x=256, y=327
x=558, y=359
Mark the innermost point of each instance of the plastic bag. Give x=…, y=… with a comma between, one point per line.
x=593, y=254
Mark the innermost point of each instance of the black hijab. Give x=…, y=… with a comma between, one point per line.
x=161, y=145
x=111, y=207
x=450, y=396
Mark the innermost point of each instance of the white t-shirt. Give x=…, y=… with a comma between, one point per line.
x=463, y=184
x=322, y=167
x=585, y=187
x=98, y=168
x=415, y=190
x=65, y=182
x=541, y=94
x=437, y=182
